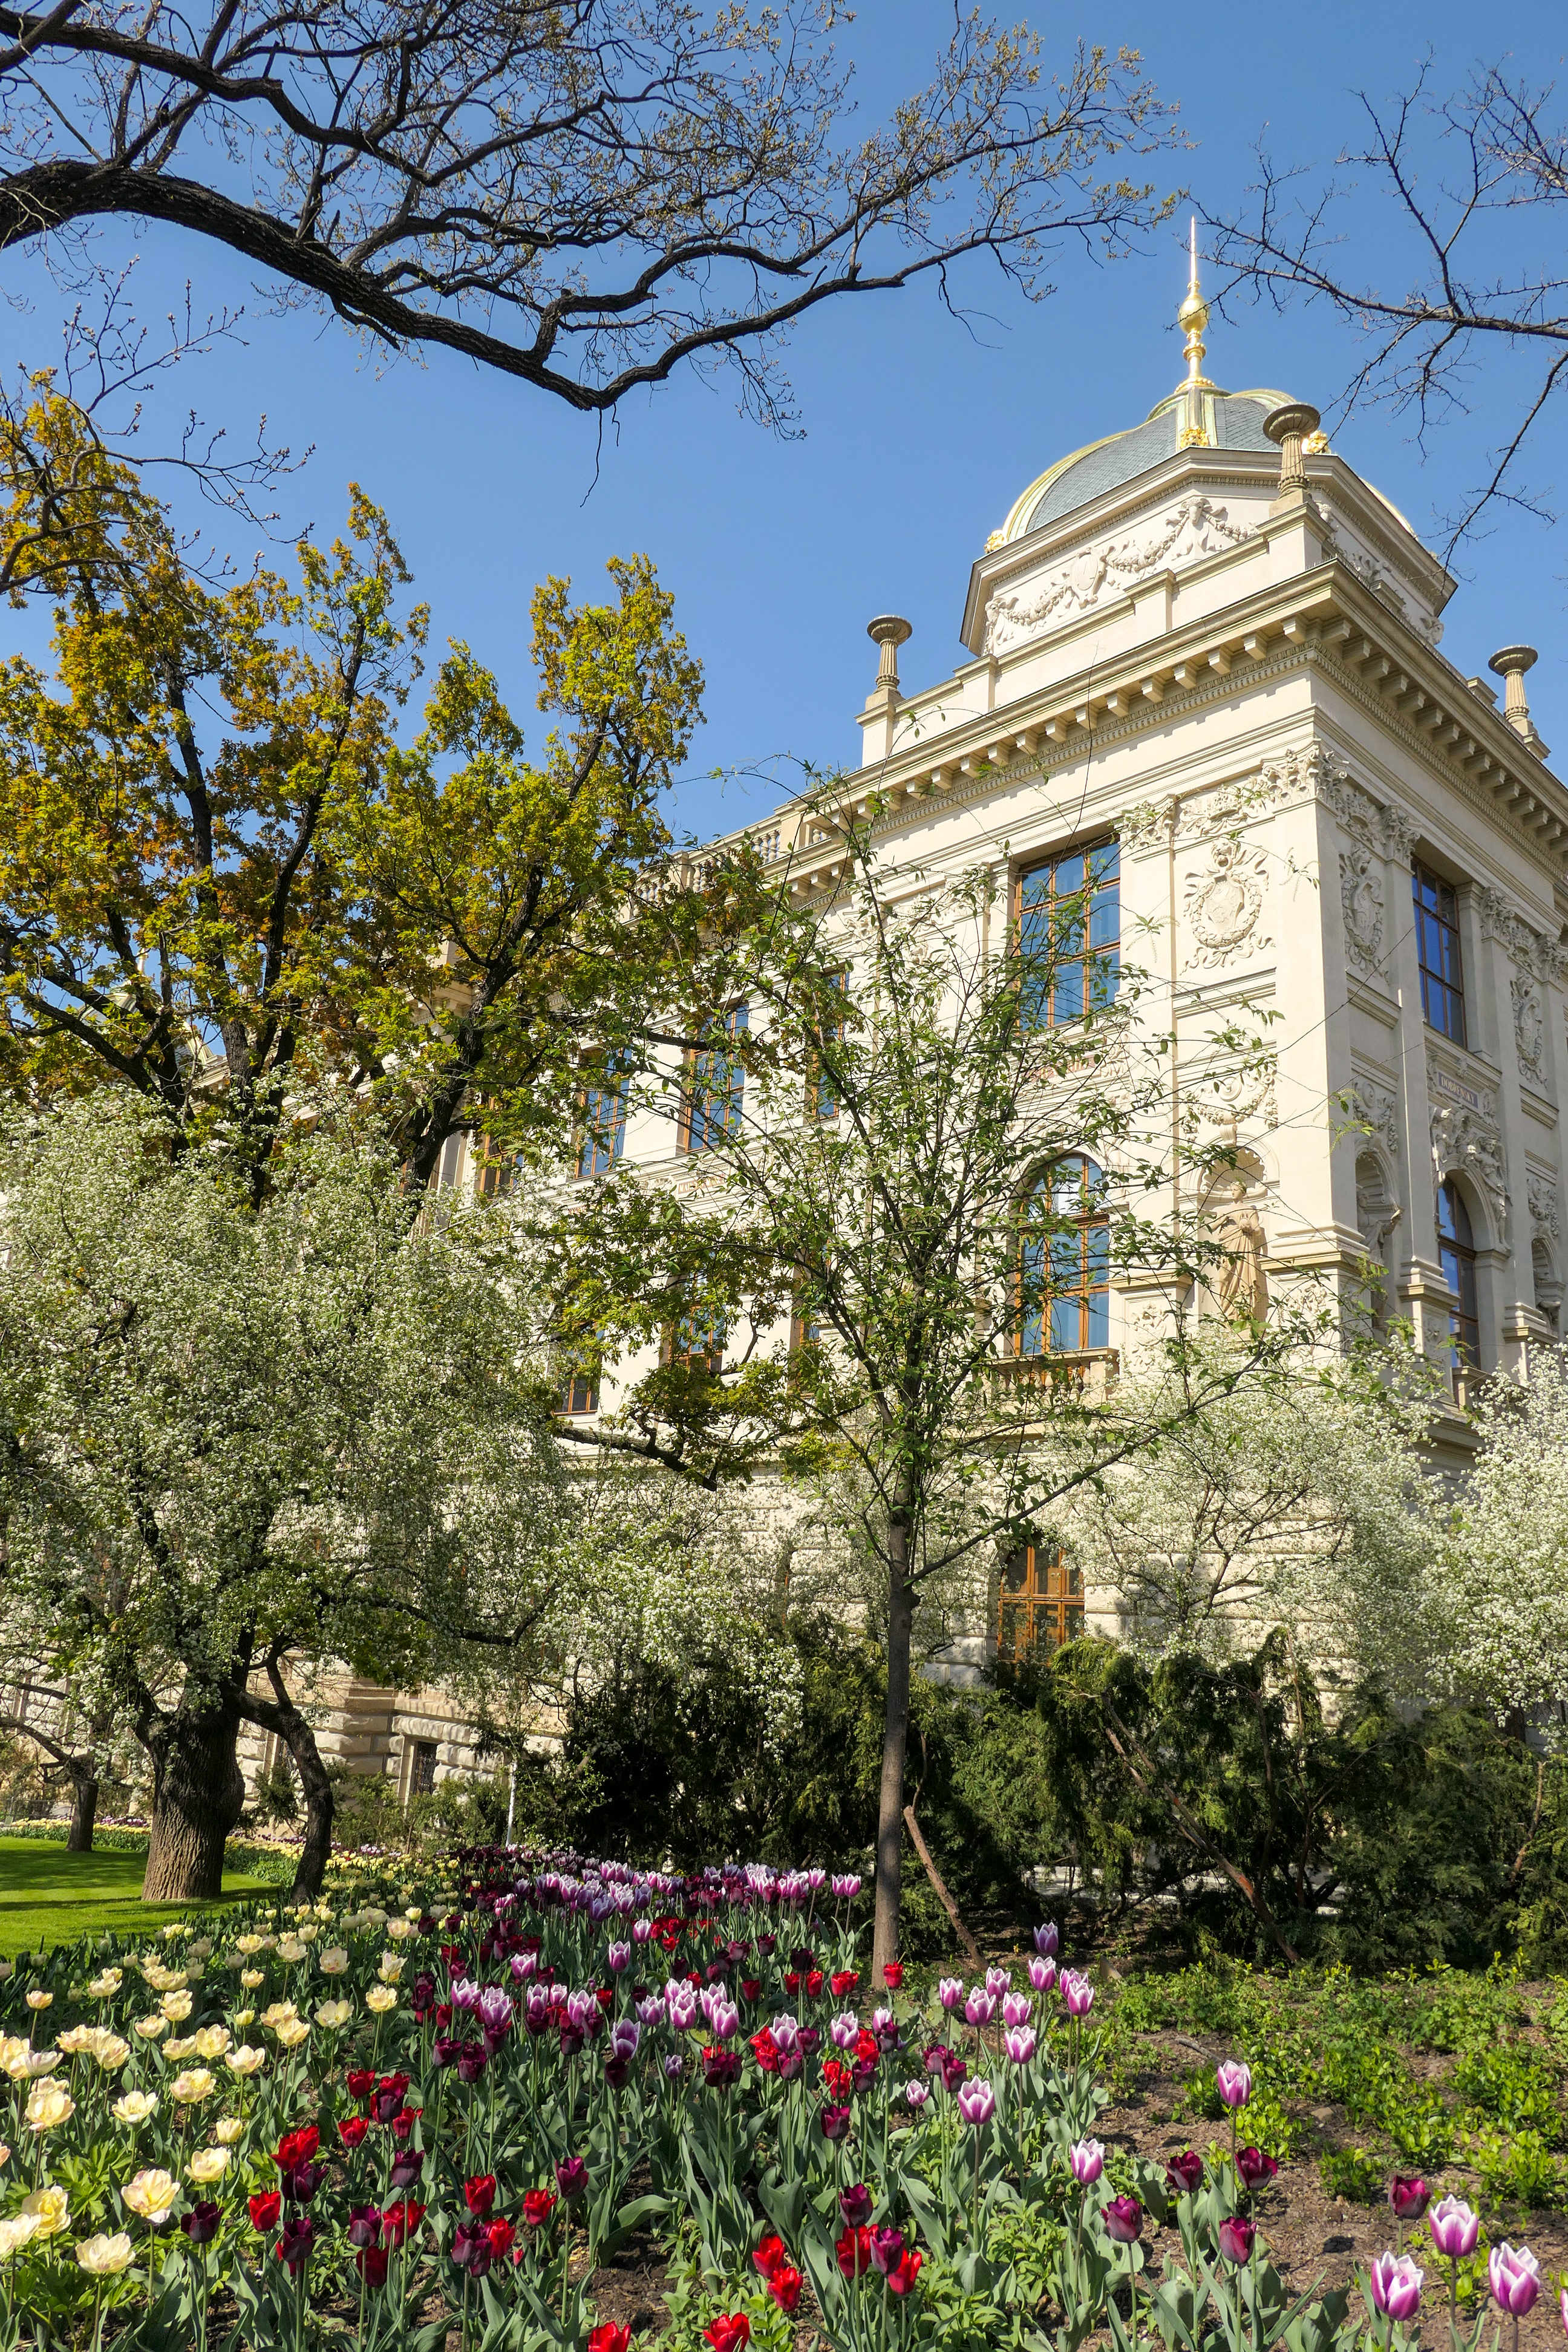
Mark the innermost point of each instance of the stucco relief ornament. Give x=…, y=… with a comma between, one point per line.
x=1360, y=894
x=1194, y=527
x=1541, y=1191
x=1462, y=1145
x=1372, y=1107
x=1529, y=1023
x=1224, y=904
x=1228, y=1098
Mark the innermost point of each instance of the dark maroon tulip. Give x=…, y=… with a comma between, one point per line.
x=616, y=2072
x=446, y=2049
x=1409, y=2198
x=472, y=2060
x=810, y=2039
x=887, y=2245
x=364, y=2226
x=835, y=2123
x=1184, y=2171
x=407, y=2167
x=1256, y=2169
x=294, y=2245
x=301, y=2181
x=572, y=2178
x=855, y=2204
x=201, y=2224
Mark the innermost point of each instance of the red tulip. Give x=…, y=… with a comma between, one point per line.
x=731, y=2332
x=264, y=2210
x=769, y=2254
x=854, y=2251
x=537, y=2207
x=297, y=2148
x=608, y=2337
x=814, y=1981
x=893, y=1975
x=480, y=2194
x=844, y=1980
x=371, y=2263
x=784, y=2286
x=905, y=2272
x=361, y=2080
x=501, y=2233
x=403, y=2123
x=351, y=2129
x=400, y=2222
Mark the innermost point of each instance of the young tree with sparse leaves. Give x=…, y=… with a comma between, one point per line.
x=902, y=1166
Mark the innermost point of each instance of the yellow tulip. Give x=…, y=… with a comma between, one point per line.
x=104, y=2257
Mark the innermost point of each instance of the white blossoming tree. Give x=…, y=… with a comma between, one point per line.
x=1505, y=1570
x=236, y=1443
x=1301, y=1501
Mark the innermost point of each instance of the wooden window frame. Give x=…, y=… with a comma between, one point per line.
x=1435, y=925
x=1030, y=906
x=420, y=1753
x=1091, y=1297
x=1044, y=1604
x=680, y=1349
x=710, y=1113
x=1465, y=1324
x=817, y=1082
x=598, y=1146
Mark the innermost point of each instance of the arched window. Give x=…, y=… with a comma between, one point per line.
x=1039, y=1603
x=1457, y=1253
x=1064, y=1262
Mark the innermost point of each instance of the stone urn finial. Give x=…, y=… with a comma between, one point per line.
x=1289, y=428
x=888, y=632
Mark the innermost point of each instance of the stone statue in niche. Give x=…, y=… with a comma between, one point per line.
x=1529, y=1023
x=1241, y=1287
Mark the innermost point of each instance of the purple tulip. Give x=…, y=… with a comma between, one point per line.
x=1514, y=2276
x=1078, y=1993
x=997, y=1982
x=1015, y=2008
x=407, y=2167
x=523, y=1965
x=1409, y=2198
x=1235, y=2236
x=572, y=2178
x=981, y=2006
x=1232, y=2078
x=673, y=2066
x=1018, y=2041
x=642, y=1931
x=916, y=2094
x=1046, y=1940
x=1042, y=1972
x=1395, y=2284
x=1087, y=2160
x=1454, y=2227
x=496, y=2009
x=950, y=1992
x=618, y=1958
x=465, y=1993
x=845, y=2030
x=976, y=2101
x=1123, y=2219
x=446, y=2049
x=847, y=1888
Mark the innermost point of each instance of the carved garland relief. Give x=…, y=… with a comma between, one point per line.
x=1224, y=904
x=1195, y=526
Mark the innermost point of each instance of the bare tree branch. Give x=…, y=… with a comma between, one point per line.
x=582, y=196
x=1469, y=177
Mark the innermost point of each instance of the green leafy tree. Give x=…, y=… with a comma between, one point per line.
x=902, y=1167
x=240, y=1444
x=223, y=881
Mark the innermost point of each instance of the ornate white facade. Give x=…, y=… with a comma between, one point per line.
x=1220, y=647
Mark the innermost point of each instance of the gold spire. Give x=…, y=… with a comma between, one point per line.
x=1194, y=317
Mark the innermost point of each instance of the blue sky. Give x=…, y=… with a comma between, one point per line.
x=919, y=430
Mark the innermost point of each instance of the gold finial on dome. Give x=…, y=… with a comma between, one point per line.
x=1194, y=317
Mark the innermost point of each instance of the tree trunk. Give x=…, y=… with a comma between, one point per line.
x=84, y=1813
x=198, y=1794
x=280, y=1715
x=895, y=1739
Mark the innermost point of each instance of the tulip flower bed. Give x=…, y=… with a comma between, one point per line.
x=434, y=2119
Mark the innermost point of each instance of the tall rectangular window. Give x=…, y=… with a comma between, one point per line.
x=697, y=1344
x=716, y=1085
x=1068, y=914
x=824, y=1095
x=1064, y=1262
x=604, y=1132
x=422, y=1773
x=1438, y=952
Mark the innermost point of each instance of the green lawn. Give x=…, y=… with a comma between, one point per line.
x=49, y=1896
